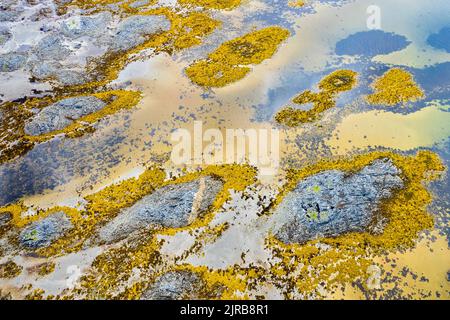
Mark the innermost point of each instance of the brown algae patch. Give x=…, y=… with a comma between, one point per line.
x=329, y=87
x=396, y=86
x=212, y=4
x=344, y=259
x=9, y=270
x=231, y=61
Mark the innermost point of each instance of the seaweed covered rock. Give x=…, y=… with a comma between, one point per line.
x=59, y=115
x=133, y=31
x=41, y=233
x=175, y=285
x=172, y=206
x=332, y=203
x=12, y=61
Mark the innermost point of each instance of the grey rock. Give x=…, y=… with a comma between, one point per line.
x=139, y=3
x=5, y=35
x=8, y=4
x=81, y=26
x=12, y=61
x=52, y=47
x=332, y=203
x=133, y=30
x=175, y=285
x=55, y=71
x=44, y=69
x=9, y=12
x=41, y=233
x=62, y=113
x=70, y=77
x=43, y=13
x=170, y=206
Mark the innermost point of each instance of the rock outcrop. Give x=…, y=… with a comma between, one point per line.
x=12, y=61
x=332, y=203
x=41, y=233
x=172, y=206
x=132, y=31
x=61, y=114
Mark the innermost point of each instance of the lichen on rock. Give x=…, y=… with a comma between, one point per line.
x=86, y=26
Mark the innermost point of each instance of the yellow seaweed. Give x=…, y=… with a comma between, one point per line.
x=229, y=63
x=394, y=87
x=330, y=86
x=212, y=4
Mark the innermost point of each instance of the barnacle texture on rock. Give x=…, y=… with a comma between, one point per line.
x=62, y=113
x=173, y=206
x=41, y=233
x=332, y=203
